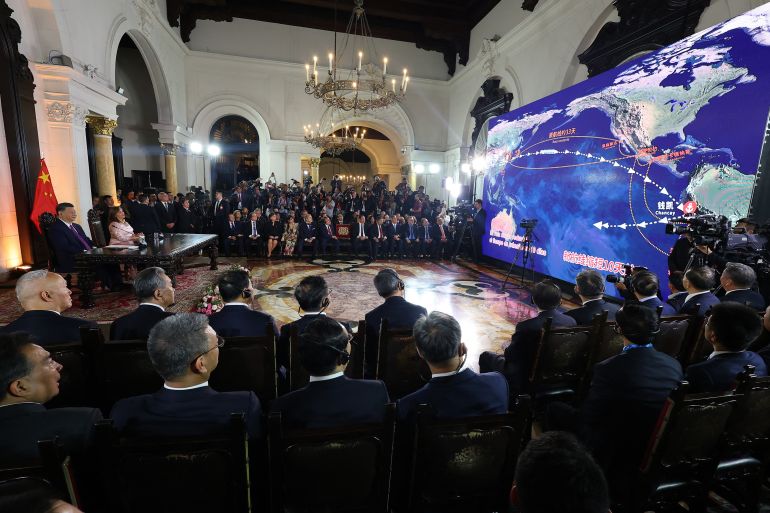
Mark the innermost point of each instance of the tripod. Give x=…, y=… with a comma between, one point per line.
x=525, y=252
x=461, y=239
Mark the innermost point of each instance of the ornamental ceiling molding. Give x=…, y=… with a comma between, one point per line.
x=66, y=112
x=102, y=126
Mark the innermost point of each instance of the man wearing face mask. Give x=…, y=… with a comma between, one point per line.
x=44, y=296
x=237, y=319
x=454, y=390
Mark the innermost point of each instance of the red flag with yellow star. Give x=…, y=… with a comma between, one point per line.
x=45, y=198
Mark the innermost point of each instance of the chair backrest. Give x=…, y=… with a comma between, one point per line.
x=247, y=363
x=75, y=385
x=47, y=220
x=685, y=440
x=359, y=456
x=97, y=232
x=563, y=356
x=672, y=337
x=606, y=342
x=398, y=364
x=355, y=368
x=443, y=477
x=696, y=348
x=202, y=474
x=749, y=425
x=54, y=468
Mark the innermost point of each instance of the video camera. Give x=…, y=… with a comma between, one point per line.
x=626, y=278
x=528, y=224
x=706, y=230
x=462, y=211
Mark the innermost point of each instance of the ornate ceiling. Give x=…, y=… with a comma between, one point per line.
x=437, y=25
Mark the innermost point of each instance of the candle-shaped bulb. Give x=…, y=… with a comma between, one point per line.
x=331, y=60
x=307, y=72
x=360, y=56
x=384, y=66
x=406, y=83
x=393, y=81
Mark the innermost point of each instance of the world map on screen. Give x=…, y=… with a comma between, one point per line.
x=605, y=164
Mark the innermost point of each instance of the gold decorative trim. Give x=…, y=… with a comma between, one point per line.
x=102, y=126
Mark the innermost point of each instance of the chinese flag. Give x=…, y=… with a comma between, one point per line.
x=45, y=198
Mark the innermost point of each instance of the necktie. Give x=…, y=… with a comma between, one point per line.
x=441, y=229
x=216, y=207
x=232, y=225
x=360, y=230
x=254, y=228
x=379, y=231
x=85, y=244
x=411, y=233
x=165, y=205
x=329, y=229
x=426, y=233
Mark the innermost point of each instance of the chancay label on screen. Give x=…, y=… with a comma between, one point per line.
x=605, y=164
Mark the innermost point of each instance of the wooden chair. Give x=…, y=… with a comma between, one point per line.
x=206, y=474
x=562, y=362
x=398, y=364
x=247, y=363
x=298, y=376
x=674, y=335
x=331, y=470
x=97, y=232
x=682, y=453
x=76, y=383
x=746, y=454
x=54, y=470
x=697, y=348
x=444, y=478
x=606, y=342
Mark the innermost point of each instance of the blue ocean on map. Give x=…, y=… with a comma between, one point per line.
x=606, y=163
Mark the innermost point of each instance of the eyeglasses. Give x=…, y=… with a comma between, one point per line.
x=220, y=344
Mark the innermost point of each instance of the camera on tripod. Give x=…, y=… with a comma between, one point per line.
x=706, y=230
x=528, y=224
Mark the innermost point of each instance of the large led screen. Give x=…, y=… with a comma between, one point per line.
x=605, y=164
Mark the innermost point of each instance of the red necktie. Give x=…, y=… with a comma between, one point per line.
x=379, y=231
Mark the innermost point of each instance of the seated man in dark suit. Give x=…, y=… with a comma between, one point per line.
x=409, y=238
x=737, y=280
x=698, y=281
x=237, y=319
x=676, y=287
x=307, y=236
x=426, y=239
x=396, y=310
x=232, y=235
x=454, y=390
x=328, y=238
x=729, y=329
x=184, y=350
x=377, y=239
x=44, y=296
x=359, y=236
x=645, y=290
x=625, y=398
x=442, y=240
x=145, y=219
x=312, y=295
x=392, y=238
x=155, y=292
x=555, y=473
x=589, y=285
x=253, y=233
x=516, y=363
x=330, y=399
x=29, y=377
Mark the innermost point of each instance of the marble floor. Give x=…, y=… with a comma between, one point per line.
x=472, y=295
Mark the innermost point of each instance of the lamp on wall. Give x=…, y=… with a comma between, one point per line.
x=419, y=169
x=213, y=150
x=434, y=168
x=465, y=168
x=196, y=147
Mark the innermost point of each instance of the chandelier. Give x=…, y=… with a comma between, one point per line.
x=364, y=86
x=330, y=135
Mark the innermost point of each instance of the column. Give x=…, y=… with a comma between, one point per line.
x=169, y=159
x=105, y=167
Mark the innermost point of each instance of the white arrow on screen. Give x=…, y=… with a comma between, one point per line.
x=664, y=191
x=624, y=226
x=664, y=220
x=680, y=207
x=647, y=179
x=642, y=224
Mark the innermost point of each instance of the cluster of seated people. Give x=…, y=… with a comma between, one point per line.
x=613, y=423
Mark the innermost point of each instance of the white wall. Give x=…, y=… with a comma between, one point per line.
x=141, y=149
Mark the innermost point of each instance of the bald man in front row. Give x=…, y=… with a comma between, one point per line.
x=44, y=296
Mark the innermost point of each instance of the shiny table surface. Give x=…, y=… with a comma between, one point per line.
x=172, y=245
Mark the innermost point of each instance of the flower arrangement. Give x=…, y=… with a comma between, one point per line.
x=212, y=302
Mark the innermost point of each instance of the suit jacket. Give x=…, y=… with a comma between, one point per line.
x=373, y=231
x=521, y=352
x=137, y=324
x=283, y=340
x=356, y=230
x=241, y=321
x=22, y=425
x=145, y=219
x=246, y=226
x=48, y=328
x=421, y=232
x=66, y=245
x=745, y=297
x=584, y=315
x=399, y=313
x=436, y=234
x=194, y=412
x=705, y=300
x=306, y=231
x=676, y=300
x=625, y=398
x=465, y=394
x=220, y=211
x=404, y=231
x=479, y=222
x=186, y=221
x=718, y=373
x=232, y=232
x=323, y=233
x=340, y=401
x=654, y=303
x=389, y=230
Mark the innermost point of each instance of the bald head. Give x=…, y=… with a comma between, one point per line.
x=41, y=290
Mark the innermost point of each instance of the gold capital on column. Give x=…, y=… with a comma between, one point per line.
x=169, y=159
x=102, y=126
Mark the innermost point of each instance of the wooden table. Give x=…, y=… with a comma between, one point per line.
x=167, y=255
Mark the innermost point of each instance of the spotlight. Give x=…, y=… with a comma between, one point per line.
x=214, y=150
x=479, y=164
x=419, y=169
x=434, y=169
x=455, y=190
x=449, y=183
x=196, y=147
x=465, y=168
x=120, y=90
